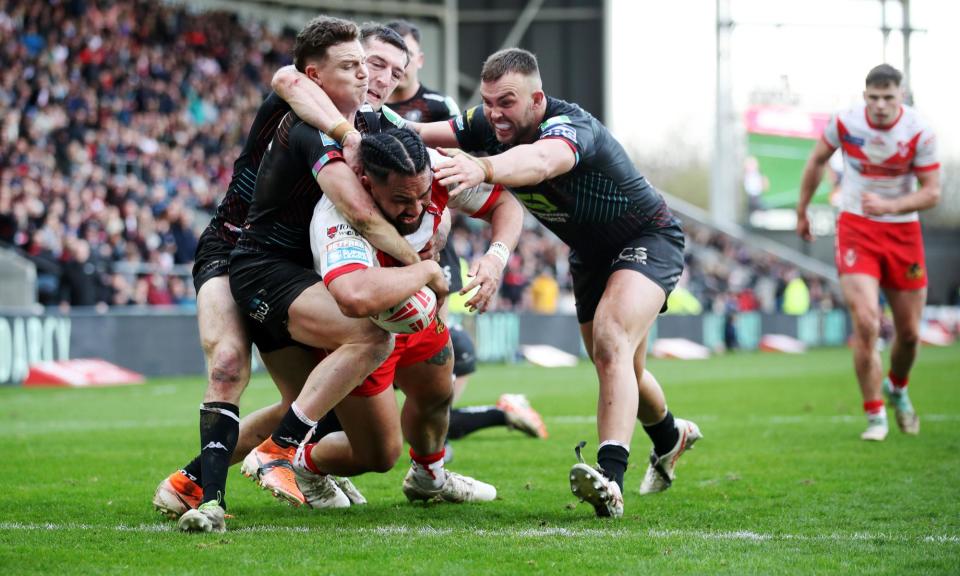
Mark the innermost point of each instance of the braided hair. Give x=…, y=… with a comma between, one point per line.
x=395, y=151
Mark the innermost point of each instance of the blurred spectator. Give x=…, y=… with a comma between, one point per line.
x=796, y=295
x=544, y=291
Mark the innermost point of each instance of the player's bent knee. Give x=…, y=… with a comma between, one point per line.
x=611, y=347
x=229, y=367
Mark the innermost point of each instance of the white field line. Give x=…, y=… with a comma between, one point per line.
x=427, y=531
x=761, y=419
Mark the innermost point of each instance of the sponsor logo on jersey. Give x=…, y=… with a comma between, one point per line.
x=637, y=255
x=915, y=272
x=562, y=131
x=470, y=114
x=536, y=202
x=413, y=115
x=340, y=230
x=856, y=141
x=459, y=123
x=564, y=119
x=348, y=251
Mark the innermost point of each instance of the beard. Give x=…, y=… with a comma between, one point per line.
x=407, y=228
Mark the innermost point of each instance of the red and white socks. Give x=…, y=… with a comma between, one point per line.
x=428, y=470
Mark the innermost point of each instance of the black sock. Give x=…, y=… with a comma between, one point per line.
x=463, y=421
x=219, y=429
x=194, y=470
x=292, y=429
x=664, y=435
x=327, y=425
x=612, y=460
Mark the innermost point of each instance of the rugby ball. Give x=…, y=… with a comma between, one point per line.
x=412, y=315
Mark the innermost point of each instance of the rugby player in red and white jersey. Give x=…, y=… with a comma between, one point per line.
x=886, y=149
x=365, y=281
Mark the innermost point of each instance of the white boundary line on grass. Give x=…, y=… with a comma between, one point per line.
x=428, y=531
x=760, y=419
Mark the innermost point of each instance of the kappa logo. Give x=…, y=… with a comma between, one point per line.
x=215, y=445
x=637, y=255
x=850, y=257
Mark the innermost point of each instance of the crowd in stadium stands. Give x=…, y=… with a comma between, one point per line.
x=123, y=118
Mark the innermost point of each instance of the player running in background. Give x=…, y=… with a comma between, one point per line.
x=626, y=251
x=417, y=103
x=887, y=148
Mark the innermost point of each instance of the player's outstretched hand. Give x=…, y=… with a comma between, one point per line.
x=485, y=273
x=461, y=172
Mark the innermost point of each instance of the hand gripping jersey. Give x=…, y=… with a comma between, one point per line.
x=881, y=161
x=602, y=203
x=339, y=249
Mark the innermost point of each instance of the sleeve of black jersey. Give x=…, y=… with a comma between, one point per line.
x=576, y=130
x=472, y=129
x=314, y=148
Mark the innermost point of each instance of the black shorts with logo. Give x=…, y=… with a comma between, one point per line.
x=264, y=285
x=657, y=254
x=212, y=258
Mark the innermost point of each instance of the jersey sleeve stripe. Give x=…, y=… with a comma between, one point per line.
x=491, y=200
x=572, y=146
x=323, y=160
x=926, y=168
x=338, y=272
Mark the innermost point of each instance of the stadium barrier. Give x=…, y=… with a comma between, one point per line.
x=164, y=341
x=499, y=335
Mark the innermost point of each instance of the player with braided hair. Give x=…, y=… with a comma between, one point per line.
x=398, y=176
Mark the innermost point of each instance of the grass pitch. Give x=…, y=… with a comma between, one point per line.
x=780, y=483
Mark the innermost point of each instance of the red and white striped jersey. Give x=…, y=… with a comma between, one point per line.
x=881, y=160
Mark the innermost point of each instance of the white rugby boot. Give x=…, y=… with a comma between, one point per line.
x=660, y=473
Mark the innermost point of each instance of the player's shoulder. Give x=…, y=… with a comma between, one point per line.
x=560, y=112
x=853, y=115
x=914, y=121
x=565, y=120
